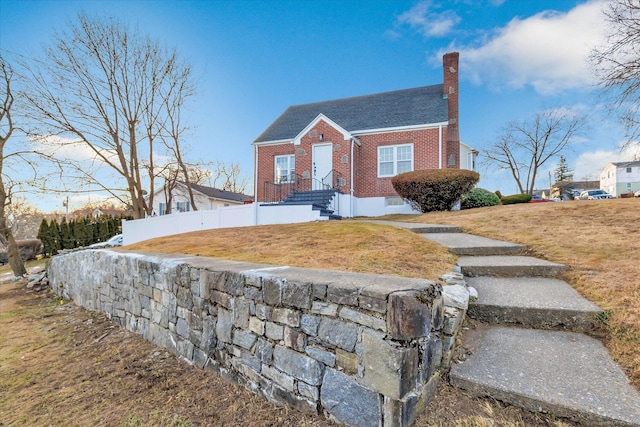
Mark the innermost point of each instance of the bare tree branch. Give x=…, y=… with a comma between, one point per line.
x=113, y=90
x=524, y=147
x=617, y=64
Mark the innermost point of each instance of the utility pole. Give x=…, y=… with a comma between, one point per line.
x=65, y=203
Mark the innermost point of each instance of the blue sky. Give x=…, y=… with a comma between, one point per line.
x=255, y=58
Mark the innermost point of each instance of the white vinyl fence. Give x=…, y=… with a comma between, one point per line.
x=232, y=216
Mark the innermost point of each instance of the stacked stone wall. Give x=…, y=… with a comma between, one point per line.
x=364, y=350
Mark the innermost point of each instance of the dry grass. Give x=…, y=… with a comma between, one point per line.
x=598, y=240
x=335, y=245
x=61, y=365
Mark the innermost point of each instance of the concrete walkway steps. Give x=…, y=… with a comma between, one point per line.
x=420, y=228
x=531, y=301
x=468, y=244
x=508, y=266
x=568, y=374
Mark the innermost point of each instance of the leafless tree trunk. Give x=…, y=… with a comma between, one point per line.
x=525, y=146
x=617, y=64
x=7, y=128
x=107, y=90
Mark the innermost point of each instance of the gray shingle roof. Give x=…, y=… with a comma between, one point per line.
x=221, y=194
x=407, y=107
x=627, y=164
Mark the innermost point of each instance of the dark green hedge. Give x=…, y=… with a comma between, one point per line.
x=434, y=189
x=516, y=198
x=478, y=198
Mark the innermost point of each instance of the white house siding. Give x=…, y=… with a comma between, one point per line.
x=467, y=157
x=180, y=195
x=615, y=179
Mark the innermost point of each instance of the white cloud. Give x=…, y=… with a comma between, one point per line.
x=429, y=23
x=67, y=148
x=589, y=164
x=547, y=51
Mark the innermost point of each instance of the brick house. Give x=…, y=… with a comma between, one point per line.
x=356, y=145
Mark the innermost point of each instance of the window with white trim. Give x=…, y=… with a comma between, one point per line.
x=629, y=170
x=285, y=168
x=183, y=206
x=628, y=186
x=395, y=159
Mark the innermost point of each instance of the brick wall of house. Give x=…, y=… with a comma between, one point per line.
x=324, y=133
x=425, y=156
x=266, y=164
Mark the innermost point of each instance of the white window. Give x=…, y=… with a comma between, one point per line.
x=162, y=208
x=394, y=201
x=183, y=206
x=285, y=168
x=395, y=159
x=628, y=170
x=628, y=186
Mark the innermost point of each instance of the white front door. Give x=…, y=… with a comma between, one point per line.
x=322, y=166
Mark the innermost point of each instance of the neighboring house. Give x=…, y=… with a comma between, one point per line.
x=620, y=178
x=565, y=189
x=205, y=198
x=356, y=145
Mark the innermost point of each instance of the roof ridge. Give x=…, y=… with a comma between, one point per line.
x=356, y=97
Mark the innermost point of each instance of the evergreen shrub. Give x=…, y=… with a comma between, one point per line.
x=516, y=198
x=431, y=190
x=478, y=198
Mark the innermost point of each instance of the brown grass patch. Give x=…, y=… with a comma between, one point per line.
x=334, y=245
x=61, y=365
x=598, y=240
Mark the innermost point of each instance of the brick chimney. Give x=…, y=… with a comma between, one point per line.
x=450, y=91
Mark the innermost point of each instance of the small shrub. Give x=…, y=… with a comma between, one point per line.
x=499, y=194
x=478, y=198
x=431, y=190
x=4, y=258
x=516, y=198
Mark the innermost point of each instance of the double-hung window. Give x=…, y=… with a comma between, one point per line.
x=285, y=167
x=183, y=206
x=394, y=159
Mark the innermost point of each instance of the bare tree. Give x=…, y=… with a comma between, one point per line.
x=7, y=128
x=175, y=174
x=525, y=146
x=111, y=91
x=617, y=64
x=228, y=176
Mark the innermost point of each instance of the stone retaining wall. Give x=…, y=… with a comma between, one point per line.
x=362, y=349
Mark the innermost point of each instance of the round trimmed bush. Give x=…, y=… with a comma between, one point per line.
x=431, y=190
x=516, y=198
x=478, y=198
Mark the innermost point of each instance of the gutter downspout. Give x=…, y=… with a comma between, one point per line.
x=440, y=147
x=255, y=184
x=354, y=140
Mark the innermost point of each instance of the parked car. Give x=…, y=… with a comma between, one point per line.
x=114, y=241
x=595, y=195
x=537, y=199
x=636, y=194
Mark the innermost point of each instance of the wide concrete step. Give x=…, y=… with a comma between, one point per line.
x=468, y=244
x=508, y=266
x=531, y=301
x=420, y=228
x=567, y=374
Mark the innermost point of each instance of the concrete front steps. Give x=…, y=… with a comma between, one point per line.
x=518, y=355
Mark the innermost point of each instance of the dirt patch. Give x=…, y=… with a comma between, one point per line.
x=61, y=365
